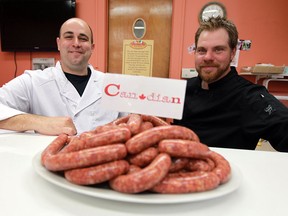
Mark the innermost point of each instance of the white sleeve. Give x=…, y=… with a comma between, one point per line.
x=7, y=112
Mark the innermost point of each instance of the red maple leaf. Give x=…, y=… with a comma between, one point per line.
x=142, y=96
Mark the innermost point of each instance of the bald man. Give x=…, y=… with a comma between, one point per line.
x=61, y=99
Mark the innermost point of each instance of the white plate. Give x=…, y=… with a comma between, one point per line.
x=147, y=198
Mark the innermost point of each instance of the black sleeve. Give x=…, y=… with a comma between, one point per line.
x=270, y=118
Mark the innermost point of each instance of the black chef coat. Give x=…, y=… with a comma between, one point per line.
x=234, y=113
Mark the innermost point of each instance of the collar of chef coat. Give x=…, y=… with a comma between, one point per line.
x=92, y=92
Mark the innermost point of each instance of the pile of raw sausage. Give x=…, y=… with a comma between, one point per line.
x=138, y=153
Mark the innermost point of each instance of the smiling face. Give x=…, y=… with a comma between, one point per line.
x=213, y=55
x=75, y=46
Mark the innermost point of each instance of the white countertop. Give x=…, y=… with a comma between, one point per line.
x=263, y=190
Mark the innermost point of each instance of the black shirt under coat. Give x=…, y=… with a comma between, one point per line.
x=234, y=113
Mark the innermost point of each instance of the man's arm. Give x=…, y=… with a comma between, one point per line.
x=41, y=124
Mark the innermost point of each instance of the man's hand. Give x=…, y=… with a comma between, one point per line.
x=41, y=124
x=56, y=126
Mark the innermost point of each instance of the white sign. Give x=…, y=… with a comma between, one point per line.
x=160, y=97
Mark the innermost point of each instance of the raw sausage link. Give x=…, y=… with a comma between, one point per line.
x=91, y=140
x=75, y=144
x=120, y=120
x=156, y=121
x=133, y=168
x=183, y=148
x=144, y=179
x=195, y=164
x=134, y=123
x=176, y=183
x=106, y=127
x=154, y=135
x=178, y=164
x=97, y=174
x=97, y=138
x=144, y=158
x=145, y=126
x=222, y=167
x=54, y=147
x=86, y=157
x=119, y=135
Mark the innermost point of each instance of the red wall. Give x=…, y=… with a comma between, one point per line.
x=263, y=22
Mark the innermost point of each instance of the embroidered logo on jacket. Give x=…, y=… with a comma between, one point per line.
x=269, y=109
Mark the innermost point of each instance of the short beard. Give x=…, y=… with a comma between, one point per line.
x=216, y=76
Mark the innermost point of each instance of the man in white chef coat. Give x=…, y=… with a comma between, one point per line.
x=61, y=99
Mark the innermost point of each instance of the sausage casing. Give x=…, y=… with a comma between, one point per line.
x=178, y=164
x=147, y=138
x=75, y=144
x=144, y=179
x=86, y=157
x=119, y=135
x=54, y=147
x=196, y=164
x=156, y=121
x=134, y=123
x=97, y=174
x=176, y=183
x=146, y=125
x=222, y=167
x=144, y=158
x=183, y=148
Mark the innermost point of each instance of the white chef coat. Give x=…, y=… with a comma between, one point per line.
x=49, y=93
